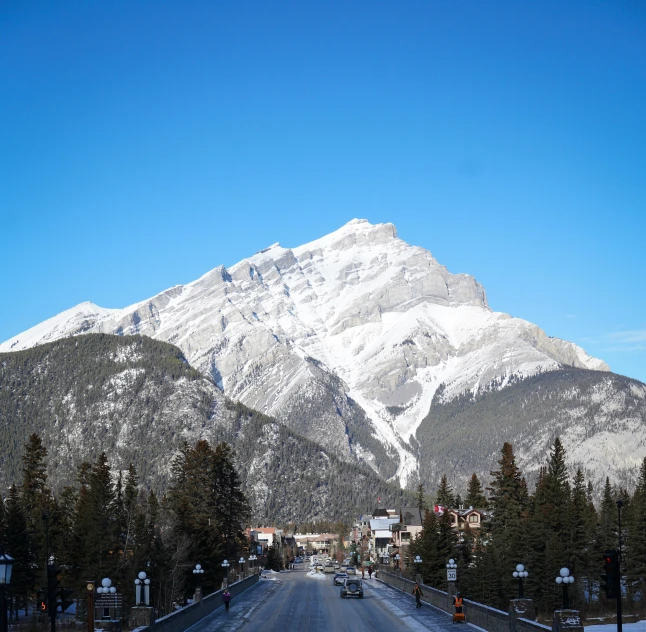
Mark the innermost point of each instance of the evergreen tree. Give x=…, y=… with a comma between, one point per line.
x=35, y=496
x=509, y=503
x=426, y=546
x=421, y=501
x=475, y=495
x=636, y=566
x=18, y=544
x=273, y=559
x=445, y=496
x=607, y=528
x=232, y=506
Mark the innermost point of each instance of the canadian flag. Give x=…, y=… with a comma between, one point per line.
x=438, y=509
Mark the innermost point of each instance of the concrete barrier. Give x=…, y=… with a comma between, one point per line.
x=485, y=617
x=184, y=618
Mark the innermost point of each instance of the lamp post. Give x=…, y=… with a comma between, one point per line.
x=396, y=558
x=252, y=561
x=198, y=571
x=6, y=565
x=90, y=606
x=225, y=565
x=106, y=588
x=520, y=573
x=564, y=579
x=418, y=562
x=142, y=582
x=241, y=562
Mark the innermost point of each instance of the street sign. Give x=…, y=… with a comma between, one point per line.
x=452, y=574
x=111, y=600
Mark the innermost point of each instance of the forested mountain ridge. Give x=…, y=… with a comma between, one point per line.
x=600, y=418
x=138, y=400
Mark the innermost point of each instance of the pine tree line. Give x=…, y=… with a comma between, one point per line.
x=108, y=526
x=556, y=526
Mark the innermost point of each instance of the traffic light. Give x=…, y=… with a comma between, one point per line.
x=65, y=599
x=41, y=601
x=52, y=589
x=611, y=578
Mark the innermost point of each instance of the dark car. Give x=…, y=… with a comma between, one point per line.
x=352, y=587
x=339, y=578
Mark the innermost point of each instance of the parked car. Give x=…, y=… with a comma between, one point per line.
x=352, y=587
x=339, y=579
x=351, y=570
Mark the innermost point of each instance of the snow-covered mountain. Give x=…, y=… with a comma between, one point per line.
x=345, y=339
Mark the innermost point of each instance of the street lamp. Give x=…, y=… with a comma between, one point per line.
x=397, y=558
x=142, y=581
x=6, y=564
x=197, y=572
x=418, y=561
x=564, y=579
x=106, y=587
x=520, y=573
x=225, y=565
x=451, y=564
x=241, y=562
x=252, y=560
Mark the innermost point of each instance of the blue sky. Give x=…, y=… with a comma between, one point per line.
x=143, y=143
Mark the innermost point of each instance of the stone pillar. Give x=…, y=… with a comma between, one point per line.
x=567, y=621
x=520, y=609
x=141, y=616
x=198, y=594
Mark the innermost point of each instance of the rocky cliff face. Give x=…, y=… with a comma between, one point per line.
x=345, y=339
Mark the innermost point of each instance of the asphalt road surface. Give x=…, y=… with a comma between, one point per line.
x=304, y=603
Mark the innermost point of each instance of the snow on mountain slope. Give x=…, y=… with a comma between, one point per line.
x=349, y=335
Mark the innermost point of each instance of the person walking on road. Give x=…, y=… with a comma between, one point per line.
x=417, y=591
x=226, y=597
x=369, y=572
x=457, y=602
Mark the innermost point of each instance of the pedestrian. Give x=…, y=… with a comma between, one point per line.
x=457, y=602
x=369, y=572
x=417, y=591
x=363, y=572
x=226, y=597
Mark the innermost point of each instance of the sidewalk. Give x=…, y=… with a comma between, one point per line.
x=240, y=610
x=403, y=606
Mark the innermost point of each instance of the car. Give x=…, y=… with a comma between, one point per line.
x=351, y=570
x=352, y=587
x=339, y=578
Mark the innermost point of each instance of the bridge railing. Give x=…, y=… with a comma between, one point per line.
x=184, y=618
x=485, y=617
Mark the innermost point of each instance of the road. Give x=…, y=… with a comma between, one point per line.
x=298, y=602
